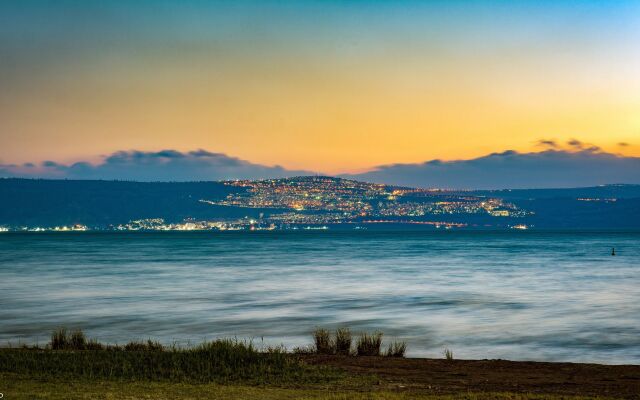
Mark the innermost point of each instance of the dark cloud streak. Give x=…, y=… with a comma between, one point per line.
x=547, y=143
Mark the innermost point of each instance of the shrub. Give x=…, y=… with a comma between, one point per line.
x=369, y=345
x=343, y=341
x=323, y=342
x=396, y=349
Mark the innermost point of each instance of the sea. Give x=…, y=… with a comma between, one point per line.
x=519, y=295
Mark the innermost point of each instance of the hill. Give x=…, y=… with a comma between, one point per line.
x=308, y=201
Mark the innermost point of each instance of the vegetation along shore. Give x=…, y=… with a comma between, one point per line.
x=338, y=365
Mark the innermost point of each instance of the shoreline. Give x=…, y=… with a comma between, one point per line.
x=456, y=376
x=221, y=368
x=366, y=377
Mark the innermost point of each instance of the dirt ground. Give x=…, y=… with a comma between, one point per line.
x=444, y=376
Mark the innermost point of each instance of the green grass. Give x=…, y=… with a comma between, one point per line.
x=220, y=361
x=73, y=367
x=17, y=387
x=70, y=354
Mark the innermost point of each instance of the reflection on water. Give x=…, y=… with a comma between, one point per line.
x=515, y=295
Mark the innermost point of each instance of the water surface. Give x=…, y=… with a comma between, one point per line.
x=514, y=295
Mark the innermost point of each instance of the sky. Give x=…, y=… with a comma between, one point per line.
x=336, y=87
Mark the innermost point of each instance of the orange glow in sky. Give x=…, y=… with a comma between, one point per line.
x=330, y=94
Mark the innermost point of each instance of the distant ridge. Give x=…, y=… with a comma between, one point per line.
x=102, y=203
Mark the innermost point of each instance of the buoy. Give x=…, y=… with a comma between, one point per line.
x=613, y=251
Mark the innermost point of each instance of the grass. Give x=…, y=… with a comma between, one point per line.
x=73, y=367
x=396, y=349
x=61, y=339
x=343, y=341
x=323, y=342
x=149, y=345
x=70, y=354
x=369, y=344
x=221, y=361
x=27, y=388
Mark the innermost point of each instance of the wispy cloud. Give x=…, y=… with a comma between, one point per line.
x=549, y=143
x=578, y=145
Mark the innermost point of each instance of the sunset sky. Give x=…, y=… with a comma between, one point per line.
x=337, y=87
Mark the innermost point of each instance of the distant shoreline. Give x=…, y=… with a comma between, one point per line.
x=390, y=228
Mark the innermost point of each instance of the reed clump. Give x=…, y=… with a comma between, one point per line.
x=343, y=341
x=323, y=342
x=396, y=349
x=61, y=339
x=369, y=344
x=77, y=340
x=448, y=354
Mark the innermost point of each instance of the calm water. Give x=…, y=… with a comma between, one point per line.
x=515, y=295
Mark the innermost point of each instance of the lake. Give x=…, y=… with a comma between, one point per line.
x=520, y=295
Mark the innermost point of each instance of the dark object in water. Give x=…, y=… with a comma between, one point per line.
x=613, y=251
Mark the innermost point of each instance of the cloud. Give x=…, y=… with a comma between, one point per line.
x=510, y=169
x=623, y=144
x=547, y=143
x=586, y=166
x=164, y=165
x=576, y=144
